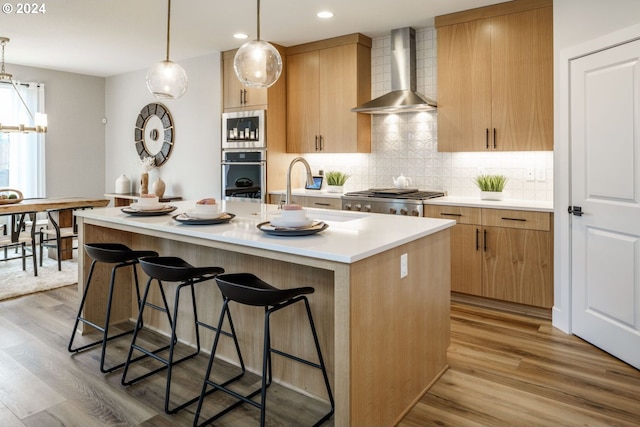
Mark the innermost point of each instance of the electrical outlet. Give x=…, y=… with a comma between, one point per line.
x=404, y=265
x=540, y=175
x=531, y=174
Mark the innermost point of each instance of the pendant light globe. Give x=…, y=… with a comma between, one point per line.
x=167, y=80
x=257, y=64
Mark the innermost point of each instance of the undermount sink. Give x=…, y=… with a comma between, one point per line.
x=337, y=216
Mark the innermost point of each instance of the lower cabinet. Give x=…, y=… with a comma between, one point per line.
x=501, y=254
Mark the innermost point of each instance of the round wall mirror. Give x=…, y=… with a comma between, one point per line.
x=154, y=133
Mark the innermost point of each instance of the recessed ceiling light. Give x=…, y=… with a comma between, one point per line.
x=325, y=14
x=241, y=36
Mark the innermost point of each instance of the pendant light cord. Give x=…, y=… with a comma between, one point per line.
x=168, y=27
x=258, y=24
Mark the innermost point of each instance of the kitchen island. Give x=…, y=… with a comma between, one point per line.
x=384, y=337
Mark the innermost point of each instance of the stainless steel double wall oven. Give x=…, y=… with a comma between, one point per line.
x=244, y=156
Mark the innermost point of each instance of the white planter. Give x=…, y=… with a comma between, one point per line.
x=335, y=189
x=491, y=195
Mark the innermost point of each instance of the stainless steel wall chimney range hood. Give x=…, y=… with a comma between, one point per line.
x=403, y=97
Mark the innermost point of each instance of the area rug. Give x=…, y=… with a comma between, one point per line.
x=14, y=282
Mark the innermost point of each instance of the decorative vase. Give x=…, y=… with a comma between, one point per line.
x=491, y=195
x=144, y=183
x=123, y=185
x=335, y=188
x=158, y=187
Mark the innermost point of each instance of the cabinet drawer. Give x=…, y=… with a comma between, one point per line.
x=323, y=202
x=526, y=220
x=462, y=215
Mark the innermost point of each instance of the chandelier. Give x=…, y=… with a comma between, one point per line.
x=40, y=120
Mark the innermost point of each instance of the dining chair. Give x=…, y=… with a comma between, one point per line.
x=54, y=236
x=19, y=240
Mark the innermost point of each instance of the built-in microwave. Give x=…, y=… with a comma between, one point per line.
x=244, y=129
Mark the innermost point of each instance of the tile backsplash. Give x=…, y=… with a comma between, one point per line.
x=408, y=143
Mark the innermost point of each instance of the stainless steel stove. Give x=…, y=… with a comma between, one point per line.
x=392, y=201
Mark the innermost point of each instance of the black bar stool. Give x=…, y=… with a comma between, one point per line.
x=173, y=269
x=109, y=253
x=245, y=288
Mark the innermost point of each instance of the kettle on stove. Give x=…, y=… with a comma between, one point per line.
x=402, y=181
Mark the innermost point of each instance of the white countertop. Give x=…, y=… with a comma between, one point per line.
x=351, y=236
x=475, y=202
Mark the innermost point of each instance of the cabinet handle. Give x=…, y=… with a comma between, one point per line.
x=321, y=138
x=494, y=139
x=316, y=142
x=245, y=96
x=487, y=138
x=485, y=240
x=477, y=239
x=321, y=204
x=450, y=214
x=241, y=97
x=514, y=219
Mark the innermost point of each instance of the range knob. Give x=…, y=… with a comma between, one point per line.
x=357, y=207
x=403, y=211
x=415, y=212
x=367, y=208
x=347, y=206
x=392, y=211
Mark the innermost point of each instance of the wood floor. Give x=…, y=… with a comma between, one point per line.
x=509, y=370
x=506, y=370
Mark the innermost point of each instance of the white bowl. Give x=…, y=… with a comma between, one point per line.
x=146, y=207
x=202, y=209
x=148, y=200
x=279, y=221
x=203, y=214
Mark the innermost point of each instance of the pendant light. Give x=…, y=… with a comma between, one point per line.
x=257, y=63
x=167, y=79
x=40, y=119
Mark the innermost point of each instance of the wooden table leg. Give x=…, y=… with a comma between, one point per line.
x=64, y=218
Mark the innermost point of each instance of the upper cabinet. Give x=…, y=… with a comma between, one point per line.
x=495, y=78
x=235, y=95
x=325, y=80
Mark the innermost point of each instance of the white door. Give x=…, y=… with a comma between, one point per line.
x=605, y=183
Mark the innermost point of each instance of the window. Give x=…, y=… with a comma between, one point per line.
x=22, y=164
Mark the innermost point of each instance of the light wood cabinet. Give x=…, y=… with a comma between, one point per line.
x=501, y=254
x=325, y=80
x=309, y=201
x=236, y=96
x=495, y=78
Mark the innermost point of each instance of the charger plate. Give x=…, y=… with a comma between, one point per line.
x=314, y=228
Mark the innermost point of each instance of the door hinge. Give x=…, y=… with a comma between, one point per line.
x=575, y=210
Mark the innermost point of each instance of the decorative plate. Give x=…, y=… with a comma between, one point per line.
x=185, y=219
x=163, y=211
x=314, y=228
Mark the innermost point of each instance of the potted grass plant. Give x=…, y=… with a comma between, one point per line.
x=335, y=181
x=491, y=186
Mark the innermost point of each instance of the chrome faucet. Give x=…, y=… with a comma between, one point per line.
x=309, y=176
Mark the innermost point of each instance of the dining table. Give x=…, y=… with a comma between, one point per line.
x=63, y=215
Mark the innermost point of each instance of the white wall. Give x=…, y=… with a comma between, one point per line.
x=575, y=22
x=74, y=143
x=193, y=169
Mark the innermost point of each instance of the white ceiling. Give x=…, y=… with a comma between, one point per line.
x=110, y=37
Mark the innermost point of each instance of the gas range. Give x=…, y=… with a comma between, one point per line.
x=394, y=201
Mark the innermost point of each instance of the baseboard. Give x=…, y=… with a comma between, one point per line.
x=509, y=307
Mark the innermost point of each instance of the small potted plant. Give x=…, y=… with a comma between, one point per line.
x=335, y=181
x=491, y=186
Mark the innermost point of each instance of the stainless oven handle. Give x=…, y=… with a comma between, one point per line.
x=244, y=163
